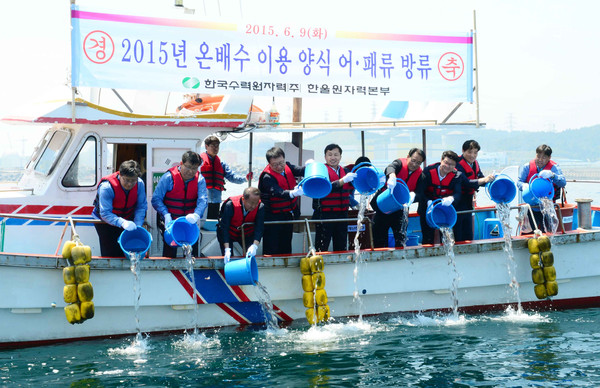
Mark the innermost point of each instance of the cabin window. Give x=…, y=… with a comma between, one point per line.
x=52, y=145
x=83, y=170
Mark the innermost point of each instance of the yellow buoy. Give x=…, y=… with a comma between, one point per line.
x=308, y=299
x=540, y=291
x=547, y=259
x=70, y=293
x=85, y=292
x=318, y=280
x=322, y=313
x=87, y=250
x=316, y=264
x=72, y=313
x=78, y=255
x=549, y=274
x=82, y=273
x=87, y=310
x=543, y=243
x=532, y=244
x=310, y=316
x=307, y=284
x=305, y=266
x=537, y=275
x=551, y=288
x=66, y=251
x=69, y=275
x=321, y=297
x=534, y=260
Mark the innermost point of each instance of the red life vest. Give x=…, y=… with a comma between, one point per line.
x=182, y=199
x=439, y=189
x=470, y=172
x=123, y=203
x=533, y=170
x=238, y=218
x=411, y=181
x=338, y=200
x=287, y=182
x=212, y=171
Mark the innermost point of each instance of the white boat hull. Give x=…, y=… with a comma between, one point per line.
x=389, y=281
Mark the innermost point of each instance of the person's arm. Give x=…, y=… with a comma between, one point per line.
x=202, y=201
x=523, y=173
x=259, y=224
x=165, y=184
x=457, y=186
x=225, y=222
x=232, y=176
x=271, y=188
x=393, y=168
x=141, y=205
x=296, y=170
x=558, y=178
x=106, y=196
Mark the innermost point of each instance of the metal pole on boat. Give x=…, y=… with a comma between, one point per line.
x=424, y=140
x=250, y=157
x=476, y=69
x=297, y=139
x=362, y=143
x=72, y=88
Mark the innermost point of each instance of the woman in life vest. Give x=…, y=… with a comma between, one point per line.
x=474, y=178
x=409, y=170
x=334, y=205
x=547, y=169
x=442, y=180
x=180, y=192
x=279, y=193
x=235, y=212
x=121, y=203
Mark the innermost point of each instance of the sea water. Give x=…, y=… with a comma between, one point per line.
x=550, y=349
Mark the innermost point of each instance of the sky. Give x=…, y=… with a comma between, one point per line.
x=537, y=60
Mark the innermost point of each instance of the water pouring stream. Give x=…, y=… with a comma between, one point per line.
x=357, y=256
x=503, y=210
x=448, y=242
x=135, y=258
x=190, y=260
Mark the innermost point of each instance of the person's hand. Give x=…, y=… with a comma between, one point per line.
x=489, y=178
x=251, y=250
x=546, y=174
x=411, y=198
x=298, y=191
x=227, y=256
x=249, y=176
x=447, y=201
x=129, y=225
x=168, y=219
x=192, y=218
x=391, y=183
x=349, y=177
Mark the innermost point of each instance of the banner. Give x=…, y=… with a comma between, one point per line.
x=190, y=56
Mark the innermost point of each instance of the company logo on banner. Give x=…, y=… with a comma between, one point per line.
x=153, y=53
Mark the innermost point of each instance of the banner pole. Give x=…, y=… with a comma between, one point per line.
x=476, y=68
x=71, y=78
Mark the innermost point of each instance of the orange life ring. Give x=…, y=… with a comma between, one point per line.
x=202, y=104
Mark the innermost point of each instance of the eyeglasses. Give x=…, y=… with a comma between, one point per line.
x=277, y=164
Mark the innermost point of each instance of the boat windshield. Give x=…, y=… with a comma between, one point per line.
x=82, y=171
x=51, y=147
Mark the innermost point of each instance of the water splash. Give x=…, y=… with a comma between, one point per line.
x=136, y=348
x=404, y=227
x=357, y=255
x=190, y=261
x=504, y=216
x=549, y=215
x=448, y=242
x=134, y=258
x=267, y=306
x=422, y=320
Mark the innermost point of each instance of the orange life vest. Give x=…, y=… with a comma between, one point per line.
x=182, y=199
x=239, y=219
x=338, y=200
x=439, y=189
x=287, y=182
x=411, y=181
x=471, y=173
x=123, y=203
x=212, y=171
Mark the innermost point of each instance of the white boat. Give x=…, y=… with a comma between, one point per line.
x=35, y=222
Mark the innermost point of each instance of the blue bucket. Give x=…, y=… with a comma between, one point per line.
x=538, y=188
x=412, y=239
x=391, y=201
x=135, y=241
x=502, y=189
x=439, y=216
x=181, y=232
x=368, y=179
x=241, y=271
x=316, y=183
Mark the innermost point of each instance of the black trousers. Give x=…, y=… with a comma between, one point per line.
x=539, y=219
x=427, y=231
x=382, y=223
x=277, y=239
x=249, y=241
x=338, y=231
x=108, y=236
x=463, y=229
x=169, y=251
